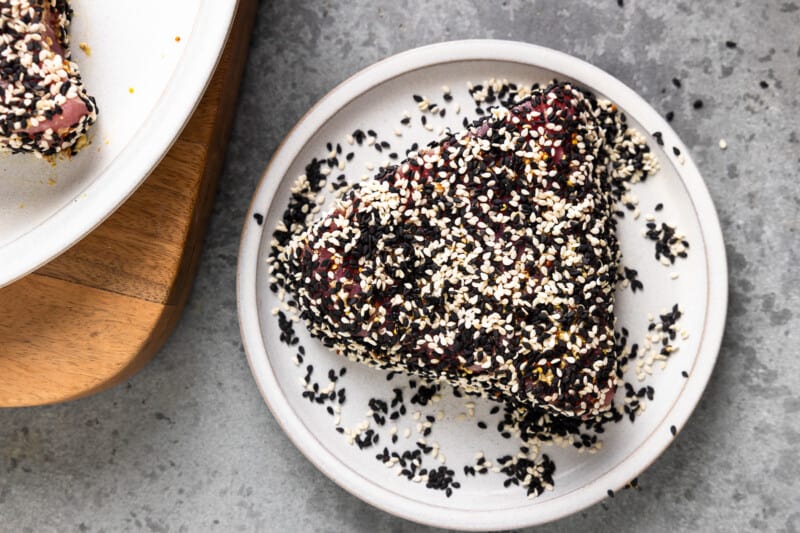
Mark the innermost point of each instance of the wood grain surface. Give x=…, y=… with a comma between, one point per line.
x=96, y=314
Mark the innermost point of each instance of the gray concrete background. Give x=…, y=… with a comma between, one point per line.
x=188, y=444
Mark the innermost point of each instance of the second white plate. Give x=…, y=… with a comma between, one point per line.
x=148, y=66
x=376, y=99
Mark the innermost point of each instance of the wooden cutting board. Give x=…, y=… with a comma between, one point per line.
x=96, y=314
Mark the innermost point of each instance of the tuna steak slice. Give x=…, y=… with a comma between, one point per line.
x=45, y=108
x=487, y=260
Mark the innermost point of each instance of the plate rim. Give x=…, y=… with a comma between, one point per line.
x=130, y=168
x=247, y=299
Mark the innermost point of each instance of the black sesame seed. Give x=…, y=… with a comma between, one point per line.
x=673, y=430
x=730, y=44
x=764, y=84
x=676, y=82
x=259, y=218
x=698, y=104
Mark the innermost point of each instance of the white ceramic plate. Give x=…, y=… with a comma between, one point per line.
x=376, y=98
x=45, y=209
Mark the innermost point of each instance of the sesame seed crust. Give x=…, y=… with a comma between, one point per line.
x=487, y=259
x=45, y=108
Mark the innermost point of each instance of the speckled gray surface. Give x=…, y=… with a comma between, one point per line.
x=188, y=444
